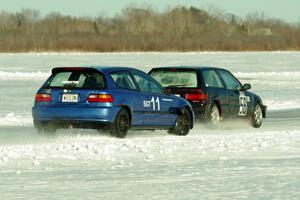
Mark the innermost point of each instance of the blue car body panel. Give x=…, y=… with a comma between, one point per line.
x=143, y=113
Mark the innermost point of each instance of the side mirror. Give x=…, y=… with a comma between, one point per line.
x=167, y=91
x=245, y=87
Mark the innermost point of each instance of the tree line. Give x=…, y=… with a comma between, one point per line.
x=144, y=29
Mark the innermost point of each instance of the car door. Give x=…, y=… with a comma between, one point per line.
x=129, y=94
x=157, y=105
x=216, y=89
x=238, y=99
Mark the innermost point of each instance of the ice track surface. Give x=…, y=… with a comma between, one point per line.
x=235, y=162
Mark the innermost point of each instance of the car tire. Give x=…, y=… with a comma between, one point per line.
x=121, y=124
x=183, y=124
x=257, y=116
x=46, y=128
x=214, y=117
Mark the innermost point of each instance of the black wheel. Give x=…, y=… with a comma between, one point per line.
x=214, y=117
x=257, y=116
x=183, y=124
x=46, y=128
x=121, y=124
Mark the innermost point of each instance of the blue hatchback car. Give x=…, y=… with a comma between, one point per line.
x=116, y=98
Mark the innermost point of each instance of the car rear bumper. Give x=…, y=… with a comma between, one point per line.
x=57, y=124
x=200, y=109
x=76, y=114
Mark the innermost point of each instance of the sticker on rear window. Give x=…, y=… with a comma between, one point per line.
x=70, y=82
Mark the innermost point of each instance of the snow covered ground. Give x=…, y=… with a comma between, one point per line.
x=236, y=162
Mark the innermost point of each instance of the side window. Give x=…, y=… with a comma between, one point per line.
x=90, y=80
x=123, y=80
x=146, y=84
x=211, y=79
x=230, y=81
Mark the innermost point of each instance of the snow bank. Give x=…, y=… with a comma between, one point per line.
x=17, y=75
x=274, y=75
x=282, y=105
x=23, y=75
x=11, y=119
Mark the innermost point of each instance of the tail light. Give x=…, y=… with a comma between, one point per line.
x=43, y=98
x=199, y=95
x=100, y=98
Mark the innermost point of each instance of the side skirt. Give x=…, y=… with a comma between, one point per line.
x=151, y=127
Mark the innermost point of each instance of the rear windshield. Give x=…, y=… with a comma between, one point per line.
x=76, y=80
x=176, y=78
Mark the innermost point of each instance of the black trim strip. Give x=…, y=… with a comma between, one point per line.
x=145, y=127
x=154, y=112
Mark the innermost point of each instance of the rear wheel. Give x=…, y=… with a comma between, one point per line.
x=46, y=128
x=257, y=116
x=121, y=124
x=214, y=117
x=183, y=124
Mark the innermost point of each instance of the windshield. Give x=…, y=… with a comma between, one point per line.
x=176, y=78
x=76, y=80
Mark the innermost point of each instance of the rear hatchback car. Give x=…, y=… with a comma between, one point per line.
x=116, y=98
x=214, y=93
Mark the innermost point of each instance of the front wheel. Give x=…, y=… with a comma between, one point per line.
x=121, y=124
x=257, y=116
x=183, y=124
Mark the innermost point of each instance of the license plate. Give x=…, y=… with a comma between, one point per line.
x=73, y=98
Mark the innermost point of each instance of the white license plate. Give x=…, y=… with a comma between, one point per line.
x=73, y=98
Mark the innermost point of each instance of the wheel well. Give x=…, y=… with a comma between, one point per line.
x=259, y=102
x=219, y=106
x=128, y=111
x=191, y=115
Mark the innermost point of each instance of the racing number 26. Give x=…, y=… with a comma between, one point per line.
x=155, y=103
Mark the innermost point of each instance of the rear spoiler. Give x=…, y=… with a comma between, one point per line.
x=68, y=69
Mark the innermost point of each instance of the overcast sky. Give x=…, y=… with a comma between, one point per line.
x=288, y=10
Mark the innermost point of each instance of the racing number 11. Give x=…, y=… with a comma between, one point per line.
x=153, y=101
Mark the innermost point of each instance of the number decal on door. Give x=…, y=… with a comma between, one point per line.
x=243, y=103
x=155, y=103
x=158, y=103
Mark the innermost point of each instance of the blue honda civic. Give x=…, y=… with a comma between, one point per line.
x=113, y=98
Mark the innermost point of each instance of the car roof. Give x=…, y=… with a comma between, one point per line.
x=187, y=67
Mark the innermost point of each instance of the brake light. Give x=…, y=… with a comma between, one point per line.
x=196, y=97
x=100, y=98
x=43, y=98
